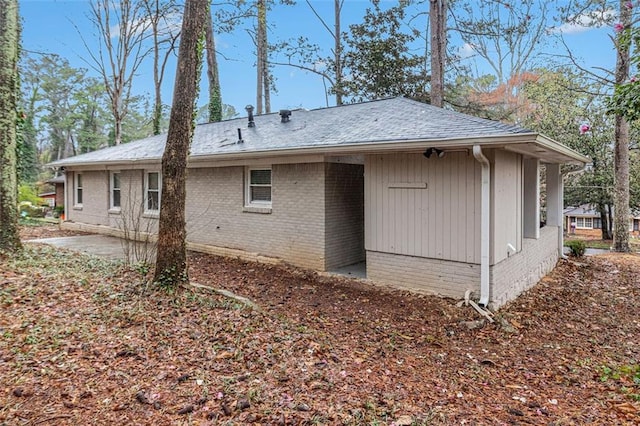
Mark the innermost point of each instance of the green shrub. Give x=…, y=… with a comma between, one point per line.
x=29, y=210
x=29, y=194
x=576, y=247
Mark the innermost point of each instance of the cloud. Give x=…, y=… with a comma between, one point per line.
x=585, y=22
x=466, y=51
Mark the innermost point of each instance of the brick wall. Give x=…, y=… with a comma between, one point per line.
x=344, y=214
x=293, y=229
x=423, y=275
x=523, y=270
x=95, y=201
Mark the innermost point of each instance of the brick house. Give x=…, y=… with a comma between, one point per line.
x=56, y=197
x=431, y=200
x=584, y=220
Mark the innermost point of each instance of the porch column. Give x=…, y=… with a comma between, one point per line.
x=531, y=195
x=555, y=201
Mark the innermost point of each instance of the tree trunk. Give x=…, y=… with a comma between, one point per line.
x=621, y=159
x=157, y=108
x=337, y=10
x=215, y=95
x=604, y=222
x=260, y=49
x=438, y=26
x=171, y=261
x=9, y=42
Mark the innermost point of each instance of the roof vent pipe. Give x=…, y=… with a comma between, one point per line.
x=249, y=109
x=240, y=136
x=284, y=115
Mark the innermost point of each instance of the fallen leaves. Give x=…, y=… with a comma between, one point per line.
x=82, y=341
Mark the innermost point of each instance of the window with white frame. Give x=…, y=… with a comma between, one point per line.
x=152, y=192
x=78, y=189
x=258, y=187
x=114, y=190
x=584, y=222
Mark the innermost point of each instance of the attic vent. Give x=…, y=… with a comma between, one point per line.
x=284, y=115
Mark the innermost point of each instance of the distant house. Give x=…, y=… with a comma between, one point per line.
x=431, y=200
x=585, y=220
x=56, y=197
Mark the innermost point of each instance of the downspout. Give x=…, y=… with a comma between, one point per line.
x=485, y=212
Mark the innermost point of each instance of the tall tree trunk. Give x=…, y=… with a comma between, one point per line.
x=260, y=49
x=171, y=261
x=9, y=42
x=337, y=50
x=157, y=107
x=621, y=158
x=215, y=95
x=438, y=26
x=604, y=221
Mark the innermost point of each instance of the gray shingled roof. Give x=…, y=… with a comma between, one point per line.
x=383, y=121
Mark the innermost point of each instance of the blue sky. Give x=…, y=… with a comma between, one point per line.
x=50, y=26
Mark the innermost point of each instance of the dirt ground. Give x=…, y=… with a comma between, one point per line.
x=88, y=342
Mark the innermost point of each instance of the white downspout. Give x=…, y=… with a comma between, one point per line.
x=485, y=212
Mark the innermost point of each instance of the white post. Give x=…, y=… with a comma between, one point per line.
x=531, y=198
x=555, y=201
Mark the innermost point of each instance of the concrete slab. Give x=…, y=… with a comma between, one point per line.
x=98, y=245
x=357, y=270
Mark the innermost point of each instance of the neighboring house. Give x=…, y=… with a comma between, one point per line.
x=58, y=194
x=585, y=220
x=432, y=200
x=635, y=223
x=49, y=197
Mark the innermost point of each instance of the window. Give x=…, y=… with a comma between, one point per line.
x=597, y=223
x=152, y=192
x=584, y=222
x=259, y=187
x=636, y=225
x=78, y=192
x=114, y=183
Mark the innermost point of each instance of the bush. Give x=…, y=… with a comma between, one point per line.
x=28, y=193
x=576, y=247
x=29, y=210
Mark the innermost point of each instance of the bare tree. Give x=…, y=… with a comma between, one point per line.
x=505, y=35
x=306, y=56
x=9, y=46
x=438, y=28
x=215, y=94
x=122, y=28
x=171, y=261
x=262, y=67
x=161, y=16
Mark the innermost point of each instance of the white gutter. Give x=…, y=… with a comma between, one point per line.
x=485, y=213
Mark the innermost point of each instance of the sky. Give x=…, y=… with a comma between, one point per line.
x=54, y=26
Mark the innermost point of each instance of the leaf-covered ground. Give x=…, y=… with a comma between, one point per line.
x=86, y=342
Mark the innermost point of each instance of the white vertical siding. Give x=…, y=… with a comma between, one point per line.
x=440, y=221
x=506, y=203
